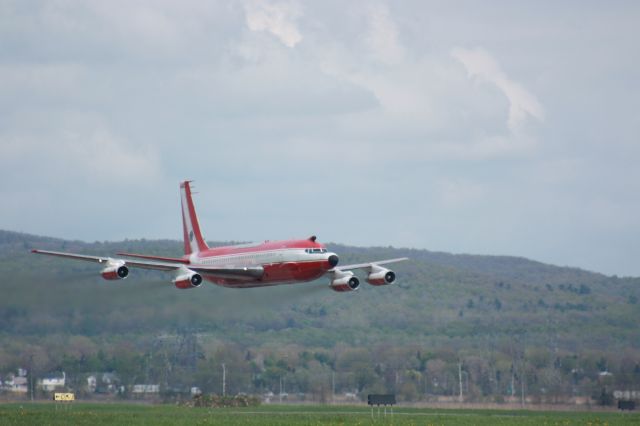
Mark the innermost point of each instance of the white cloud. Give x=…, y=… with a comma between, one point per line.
x=277, y=18
x=75, y=146
x=382, y=36
x=108, y=158
x=144, y=25
x=522, y=104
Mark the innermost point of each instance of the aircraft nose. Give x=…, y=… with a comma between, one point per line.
x=333, y=260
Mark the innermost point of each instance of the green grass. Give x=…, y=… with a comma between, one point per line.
x=132, y=414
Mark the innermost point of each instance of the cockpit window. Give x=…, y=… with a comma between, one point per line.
x=315, y=250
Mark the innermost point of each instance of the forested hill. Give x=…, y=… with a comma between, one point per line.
x=460, y=300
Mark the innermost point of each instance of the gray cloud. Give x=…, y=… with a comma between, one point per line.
x=507, y=129
x=277, y=18
x=522, y=104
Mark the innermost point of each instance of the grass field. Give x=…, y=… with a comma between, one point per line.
x=131, y=414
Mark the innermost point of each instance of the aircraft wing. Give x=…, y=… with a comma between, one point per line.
x=161, y=266
x=368, y=265
x=97, y=259
x=213, y=271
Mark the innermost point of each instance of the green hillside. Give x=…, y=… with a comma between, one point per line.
x=502, y=310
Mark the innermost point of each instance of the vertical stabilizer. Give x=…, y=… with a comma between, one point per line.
x=193, y=241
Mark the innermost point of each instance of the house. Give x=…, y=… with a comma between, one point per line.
x=103, y=383
x=92, y=383
x=145, y=389
x=110, y=378
x=53, y=381
x=17, y=384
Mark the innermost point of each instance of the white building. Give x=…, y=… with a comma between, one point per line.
x=53, y=381
x=17, y=384
x=92, y=382
x=145, y=389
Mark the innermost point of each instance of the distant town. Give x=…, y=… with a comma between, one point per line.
x=18, y=384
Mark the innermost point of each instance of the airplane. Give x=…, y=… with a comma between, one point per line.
x=241, y=266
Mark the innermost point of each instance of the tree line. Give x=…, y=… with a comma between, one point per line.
x=506, y=370
x=495, y=327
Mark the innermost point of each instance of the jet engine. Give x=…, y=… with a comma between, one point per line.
x=344, y=281
x=115, y=271
x=188, y=280
x=380, y=276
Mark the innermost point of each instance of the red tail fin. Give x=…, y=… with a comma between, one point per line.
x=193, y=241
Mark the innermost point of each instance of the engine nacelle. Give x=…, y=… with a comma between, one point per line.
x=344, y=281
x=115, y=272
x=188, y=280
x=381, y=276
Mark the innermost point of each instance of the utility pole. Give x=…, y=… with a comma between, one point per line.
x=426, y=381
x=333, y=386
x=460, y=380
x=280, y=389
x=224, y=380
x=31, y=374
x=522, y=389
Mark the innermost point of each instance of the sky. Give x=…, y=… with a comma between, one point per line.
x=497, y=127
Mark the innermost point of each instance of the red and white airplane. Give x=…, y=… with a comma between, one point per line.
x=241, y=266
